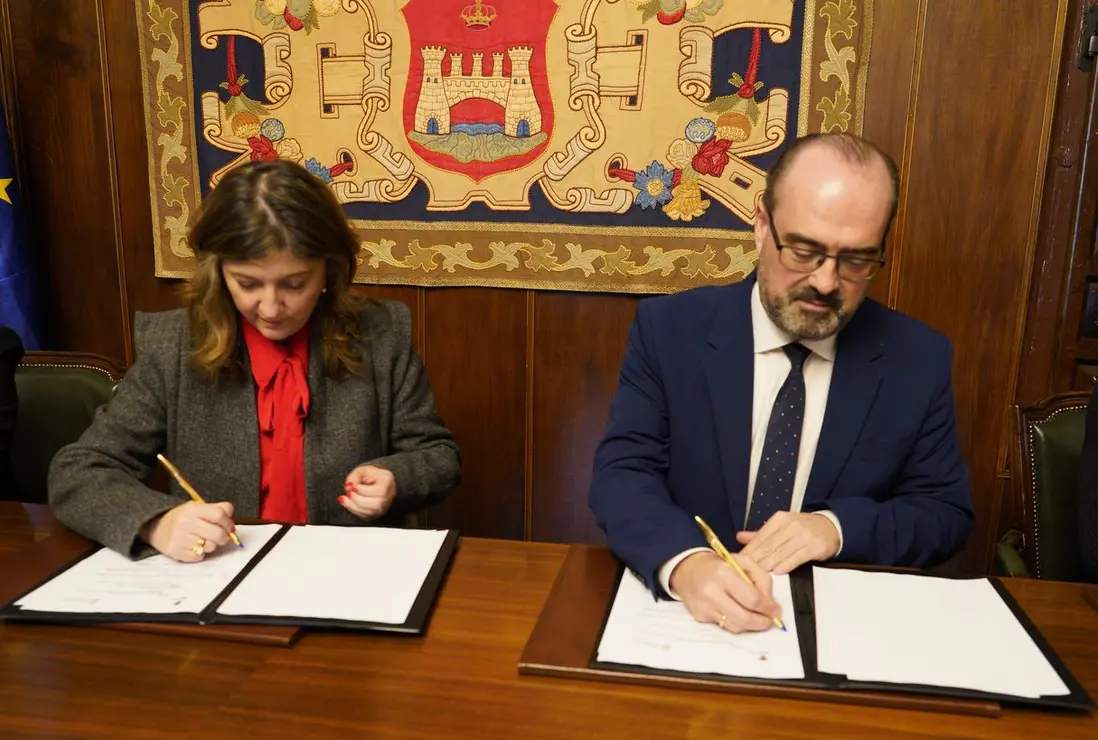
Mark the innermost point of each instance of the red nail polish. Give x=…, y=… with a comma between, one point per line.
x=341, y=499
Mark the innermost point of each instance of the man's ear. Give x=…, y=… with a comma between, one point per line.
x=761, y=224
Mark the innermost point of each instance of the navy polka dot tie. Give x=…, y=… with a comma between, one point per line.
x=778, y=464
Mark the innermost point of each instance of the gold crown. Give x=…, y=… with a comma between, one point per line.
x=478, y=16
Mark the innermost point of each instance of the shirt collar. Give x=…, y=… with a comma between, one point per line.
x=768, y=336
x=265, y=355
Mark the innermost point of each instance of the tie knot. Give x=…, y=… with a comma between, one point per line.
x=797, y=354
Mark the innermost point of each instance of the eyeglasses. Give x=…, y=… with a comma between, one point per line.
x=850, y=267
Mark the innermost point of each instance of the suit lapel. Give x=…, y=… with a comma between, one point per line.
x=238, y=431
x=730, y=375
x=855, y=380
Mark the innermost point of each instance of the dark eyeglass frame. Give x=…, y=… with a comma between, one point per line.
x=843, y=262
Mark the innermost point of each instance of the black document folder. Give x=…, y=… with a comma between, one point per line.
x=415, y=623
x=804, y=607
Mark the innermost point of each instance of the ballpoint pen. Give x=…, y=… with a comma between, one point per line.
x=726, y=556
x=190, y=490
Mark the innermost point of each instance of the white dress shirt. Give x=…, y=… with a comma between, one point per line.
x=772, y=366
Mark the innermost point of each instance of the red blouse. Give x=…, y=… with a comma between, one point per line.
x=281, y=372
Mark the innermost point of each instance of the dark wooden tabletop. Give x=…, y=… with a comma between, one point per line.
x=460, y=680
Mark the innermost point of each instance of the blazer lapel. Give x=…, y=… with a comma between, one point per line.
x=314, y=424
x=730, y=376
x=855, y=380
x=238, y=434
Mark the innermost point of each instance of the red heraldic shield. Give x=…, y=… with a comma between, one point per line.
x=478, y=100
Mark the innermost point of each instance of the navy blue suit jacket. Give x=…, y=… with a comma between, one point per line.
x=678, y=443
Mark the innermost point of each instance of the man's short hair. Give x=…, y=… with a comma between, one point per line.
x=852, y=149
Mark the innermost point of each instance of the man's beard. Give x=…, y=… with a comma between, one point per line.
x=801, y=323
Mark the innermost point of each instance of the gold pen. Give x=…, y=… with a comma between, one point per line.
x=190, y=490
x=726, y=556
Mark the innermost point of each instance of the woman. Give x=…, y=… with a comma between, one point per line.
x=277, y=392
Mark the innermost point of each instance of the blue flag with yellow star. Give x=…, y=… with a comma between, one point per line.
x=19, y=308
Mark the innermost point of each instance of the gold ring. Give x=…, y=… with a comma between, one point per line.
x=721, y=623
x=199, y=546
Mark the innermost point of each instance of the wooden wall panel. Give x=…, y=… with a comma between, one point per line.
x=978, y=144
x=1059, y=348
x=475, y=351
x=957, y=93
x=578, y=344
x=888, y=93
x=411, y=297
x=1067, y=222
x=1056, y=238
x=61, y=110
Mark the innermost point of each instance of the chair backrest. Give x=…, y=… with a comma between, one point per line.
x=1049, y=440
x=58, y=395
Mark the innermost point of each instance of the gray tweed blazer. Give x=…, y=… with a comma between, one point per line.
x=210, y=431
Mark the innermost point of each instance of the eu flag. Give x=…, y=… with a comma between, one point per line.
x=18, y=305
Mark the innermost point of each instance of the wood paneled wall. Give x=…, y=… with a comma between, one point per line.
x=960, y=93
x=1055, y=355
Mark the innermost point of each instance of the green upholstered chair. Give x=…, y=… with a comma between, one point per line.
x=58, y=395
x=1045, y=467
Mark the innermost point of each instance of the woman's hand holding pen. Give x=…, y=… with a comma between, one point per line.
x=714, y=592
x=190, y=531
x=368, y=491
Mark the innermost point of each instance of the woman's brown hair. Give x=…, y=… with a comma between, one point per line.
x=257, y=208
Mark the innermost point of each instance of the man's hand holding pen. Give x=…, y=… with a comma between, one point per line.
x=714, y=592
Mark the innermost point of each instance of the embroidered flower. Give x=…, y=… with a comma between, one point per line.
x=700, y=129
x=686, y=203
x=293, y=14
x=295, y=23
x=289, y=149
x=263, y=149
x=669, y=14
x=245, y=124
x=326, y=8
x=273, y=129
x=681, y=152
x=654, y=184
x=316, y=168
x=712, y=157
x=734, y=126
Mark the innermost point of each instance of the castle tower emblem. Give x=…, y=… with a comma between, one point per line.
x=478, y=103
x=514, y=92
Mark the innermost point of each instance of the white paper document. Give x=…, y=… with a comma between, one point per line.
x=350, y=573
x=107, y=582
x=663, y=634
x=915, y=629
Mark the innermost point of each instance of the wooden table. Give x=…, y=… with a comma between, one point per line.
x=459, y=681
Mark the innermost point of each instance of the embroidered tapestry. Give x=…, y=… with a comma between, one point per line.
x=591, y=145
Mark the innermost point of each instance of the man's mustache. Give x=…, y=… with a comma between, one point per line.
x=832, y=300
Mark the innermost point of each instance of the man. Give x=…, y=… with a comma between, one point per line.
x=799, y=420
